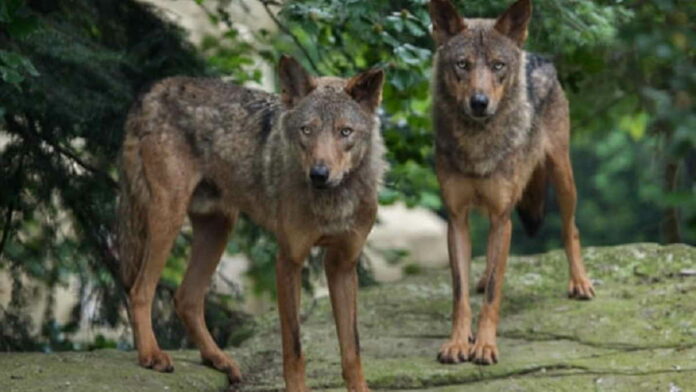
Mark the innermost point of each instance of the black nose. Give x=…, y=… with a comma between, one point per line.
x=478, y=103
x=319, y=174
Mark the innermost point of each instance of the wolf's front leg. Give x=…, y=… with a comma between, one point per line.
x=484, y=350
x=340, y=265
x=459, y=246
x=288, y=281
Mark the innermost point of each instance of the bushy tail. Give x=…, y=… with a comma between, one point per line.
x=531, y=208
x=132, y=213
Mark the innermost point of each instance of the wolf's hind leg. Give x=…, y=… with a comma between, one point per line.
x=210, y=233
x=168, y=180
x=579, y=286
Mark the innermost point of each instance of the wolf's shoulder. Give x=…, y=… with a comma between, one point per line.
x=541, y=77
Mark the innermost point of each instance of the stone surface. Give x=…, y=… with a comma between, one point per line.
x=639, y=334
x=417, y=234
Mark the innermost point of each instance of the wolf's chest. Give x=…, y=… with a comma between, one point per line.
x=484, y=152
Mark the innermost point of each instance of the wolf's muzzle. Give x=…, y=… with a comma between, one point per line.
x=319, y=176
x=478, y=103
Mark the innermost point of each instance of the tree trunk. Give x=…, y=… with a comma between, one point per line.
x=670, y=215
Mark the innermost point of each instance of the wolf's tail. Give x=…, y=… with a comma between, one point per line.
x=531, y=209
x=132, y=211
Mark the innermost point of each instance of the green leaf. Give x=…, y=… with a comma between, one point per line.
x=11, y=59
x=635, y=125
x=10, y=75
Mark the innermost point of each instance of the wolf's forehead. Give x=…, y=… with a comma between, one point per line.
x=480, y=39
x=329, y=91
x=328, y=105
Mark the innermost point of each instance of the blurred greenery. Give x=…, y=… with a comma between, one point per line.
x=69, y=71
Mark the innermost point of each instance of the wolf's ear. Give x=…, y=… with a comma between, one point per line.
x=295, y=81
x=513, y=22
x=366, y=88
x=446, y=20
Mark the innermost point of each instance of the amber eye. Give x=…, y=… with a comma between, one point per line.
x=305, y=130
x=345, y=132
x=463, y=65
x=498, y=65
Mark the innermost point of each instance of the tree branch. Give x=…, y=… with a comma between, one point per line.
x=71, y=155
x=11, y=206
x=34, y=134
x=6, y=227
x=266, y=5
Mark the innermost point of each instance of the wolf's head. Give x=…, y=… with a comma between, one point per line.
x=478, y=59
x=330, y=121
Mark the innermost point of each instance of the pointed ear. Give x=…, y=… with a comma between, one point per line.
x=366, y=89
x=446, y=20
x=513, y=22
x=295, y=81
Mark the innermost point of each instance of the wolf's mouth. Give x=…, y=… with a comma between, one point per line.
x=321, y=187
x=478, y=117
x=481, y=118
x=325, y=186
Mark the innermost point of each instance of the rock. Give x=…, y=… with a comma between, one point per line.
x=417, y=234
x=103, y=370
x=639, y=334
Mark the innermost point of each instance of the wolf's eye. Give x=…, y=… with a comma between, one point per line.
x=498, y=65
x=345, y=132
x=305, y=130
x=463, y=65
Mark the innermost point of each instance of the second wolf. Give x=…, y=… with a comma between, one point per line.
x=305, y=165
x=502, y=131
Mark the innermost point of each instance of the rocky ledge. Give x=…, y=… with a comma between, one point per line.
x=639, y=334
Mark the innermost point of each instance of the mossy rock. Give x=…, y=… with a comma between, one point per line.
x=639, y=334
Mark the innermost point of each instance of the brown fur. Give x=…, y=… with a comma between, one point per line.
x=496, y=157
x=210, y=150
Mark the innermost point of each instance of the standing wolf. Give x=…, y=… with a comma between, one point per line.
x=305, y=165
x=502, y=129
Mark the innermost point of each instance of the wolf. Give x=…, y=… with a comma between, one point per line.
x=306, y=165
x=501, y=134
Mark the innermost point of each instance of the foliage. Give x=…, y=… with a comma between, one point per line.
x=80, y=65
x=19, y=23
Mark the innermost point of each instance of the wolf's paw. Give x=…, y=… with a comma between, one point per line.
x=225, y=364
x=484, y=352
x=580, y=288
x=157, y=360
x=454, y=351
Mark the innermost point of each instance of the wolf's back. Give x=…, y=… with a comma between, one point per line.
x=541, y=79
